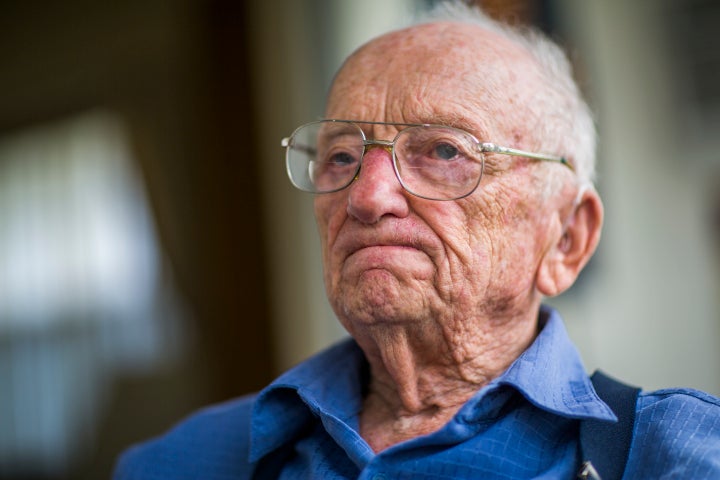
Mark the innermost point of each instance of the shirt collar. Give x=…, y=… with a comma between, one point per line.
x=549, y=374
x=328, y=384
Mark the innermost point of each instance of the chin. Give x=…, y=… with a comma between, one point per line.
x=373, y=301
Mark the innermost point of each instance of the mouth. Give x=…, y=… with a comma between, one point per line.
x=388, y=239
x=380, y=249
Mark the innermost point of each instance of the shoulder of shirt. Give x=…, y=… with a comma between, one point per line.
x=687, y=400
x=676, y=431
x=212, y=441
x=666, y=408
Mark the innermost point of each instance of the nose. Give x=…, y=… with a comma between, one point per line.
x=377, y=191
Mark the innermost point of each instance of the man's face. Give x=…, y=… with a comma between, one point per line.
x=390, y=257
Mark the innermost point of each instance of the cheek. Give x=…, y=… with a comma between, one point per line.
x=463, y=232
x=524, y=241
x=325, y=208
x=330, y=215
x=506, y=228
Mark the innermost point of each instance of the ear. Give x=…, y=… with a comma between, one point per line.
x=564, y=260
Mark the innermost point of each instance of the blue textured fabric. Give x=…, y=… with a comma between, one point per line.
x=522, y=425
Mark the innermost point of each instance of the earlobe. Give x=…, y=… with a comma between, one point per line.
x=563, y=262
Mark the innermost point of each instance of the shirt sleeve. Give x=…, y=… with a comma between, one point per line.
x=211, y=444
x=677, y=435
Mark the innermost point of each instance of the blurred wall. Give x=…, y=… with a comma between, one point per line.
x=176, y=75
x=648, y=308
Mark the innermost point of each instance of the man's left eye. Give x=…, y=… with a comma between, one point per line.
x=445, y=151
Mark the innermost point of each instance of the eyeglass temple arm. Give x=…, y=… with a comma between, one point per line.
x=492, y=148
x=285, y=142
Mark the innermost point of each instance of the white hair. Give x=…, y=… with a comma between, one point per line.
x=565, y=122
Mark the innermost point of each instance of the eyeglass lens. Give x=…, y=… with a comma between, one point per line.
x=440, y=163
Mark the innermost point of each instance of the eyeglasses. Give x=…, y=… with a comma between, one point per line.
x=434, y=162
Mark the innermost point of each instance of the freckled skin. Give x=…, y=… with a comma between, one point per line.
x=440, y=295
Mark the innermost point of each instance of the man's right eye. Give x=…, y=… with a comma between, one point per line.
x=341, y=159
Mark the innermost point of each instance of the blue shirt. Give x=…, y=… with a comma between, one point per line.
x=523, y=424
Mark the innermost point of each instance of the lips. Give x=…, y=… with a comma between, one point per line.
x=352, y=240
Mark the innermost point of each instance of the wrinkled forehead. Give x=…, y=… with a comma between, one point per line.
x=432, y=71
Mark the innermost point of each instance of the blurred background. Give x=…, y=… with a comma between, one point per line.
x=154, y=258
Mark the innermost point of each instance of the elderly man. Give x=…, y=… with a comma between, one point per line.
x=453, y=192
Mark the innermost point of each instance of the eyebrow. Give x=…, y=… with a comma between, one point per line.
x=462, y=122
